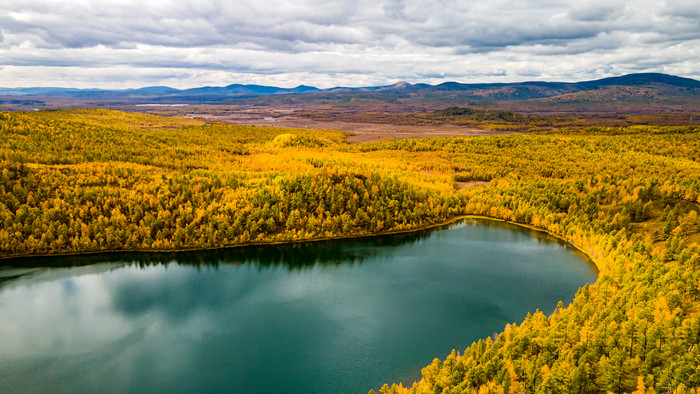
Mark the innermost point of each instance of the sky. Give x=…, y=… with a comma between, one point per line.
x=324, y=43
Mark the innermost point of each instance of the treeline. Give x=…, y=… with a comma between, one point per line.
x=490, y=119
x=99, y=209
x=126, y=188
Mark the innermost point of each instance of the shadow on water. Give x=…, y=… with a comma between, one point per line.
x=293, y=256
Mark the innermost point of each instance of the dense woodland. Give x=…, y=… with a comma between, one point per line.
x=97, y=180
x=525, y=117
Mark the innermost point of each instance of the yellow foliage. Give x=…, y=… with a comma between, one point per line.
x=96, y=180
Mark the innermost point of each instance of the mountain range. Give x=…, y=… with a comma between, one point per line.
x=632, y=89
x=234, y=90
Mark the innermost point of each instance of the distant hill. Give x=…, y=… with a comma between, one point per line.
x=668, y=84
x=237, y=90
x=643, y=79
x=633, y=89
x=234, y=90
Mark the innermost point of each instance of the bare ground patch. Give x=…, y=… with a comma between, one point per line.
x=469, y=185
x=357, y=131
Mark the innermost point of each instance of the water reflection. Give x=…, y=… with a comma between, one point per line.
x=309, y=317
x=290, y=255
x=293, y=256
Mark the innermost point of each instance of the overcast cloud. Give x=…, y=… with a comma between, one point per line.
x=188, y=43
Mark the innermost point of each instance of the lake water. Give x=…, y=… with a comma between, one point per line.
x=336, y=316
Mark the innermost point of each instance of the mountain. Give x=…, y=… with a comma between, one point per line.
x=643, y=79
x=234, y=90
x=642, y=88
x=237, y=90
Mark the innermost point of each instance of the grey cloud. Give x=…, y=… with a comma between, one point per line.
x=486, y=31
x=601, y=43
x=311, y=25
x=419, y=40
x=395, y=9
x=682, y=9
x=590, y=11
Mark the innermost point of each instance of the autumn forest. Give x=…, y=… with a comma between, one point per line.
x=98, y=180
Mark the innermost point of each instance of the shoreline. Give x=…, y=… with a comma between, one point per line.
x=321, y=239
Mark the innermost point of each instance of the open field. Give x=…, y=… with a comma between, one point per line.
x=372, y=121
x=357, y=131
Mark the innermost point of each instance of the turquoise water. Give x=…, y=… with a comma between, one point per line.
x=337, y=316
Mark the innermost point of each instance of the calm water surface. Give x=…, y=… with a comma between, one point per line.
x=341, y=316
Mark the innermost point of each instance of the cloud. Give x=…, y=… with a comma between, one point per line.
x=597, y=11
x=335, y=42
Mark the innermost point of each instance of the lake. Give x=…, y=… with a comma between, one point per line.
x=331, y=316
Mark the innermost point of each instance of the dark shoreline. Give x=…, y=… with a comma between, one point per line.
x=21, y=260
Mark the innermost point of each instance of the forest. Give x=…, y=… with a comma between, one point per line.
x=82, y=181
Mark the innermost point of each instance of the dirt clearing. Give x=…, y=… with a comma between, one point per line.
x=357, y=132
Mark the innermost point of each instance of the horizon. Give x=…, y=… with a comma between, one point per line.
x=332, y=87
x=126, y=44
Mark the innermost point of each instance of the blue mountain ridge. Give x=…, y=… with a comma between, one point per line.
x=240, y=90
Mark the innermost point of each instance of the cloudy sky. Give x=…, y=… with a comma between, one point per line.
x=325, y=43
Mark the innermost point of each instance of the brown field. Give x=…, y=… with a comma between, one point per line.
x=357, y=131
